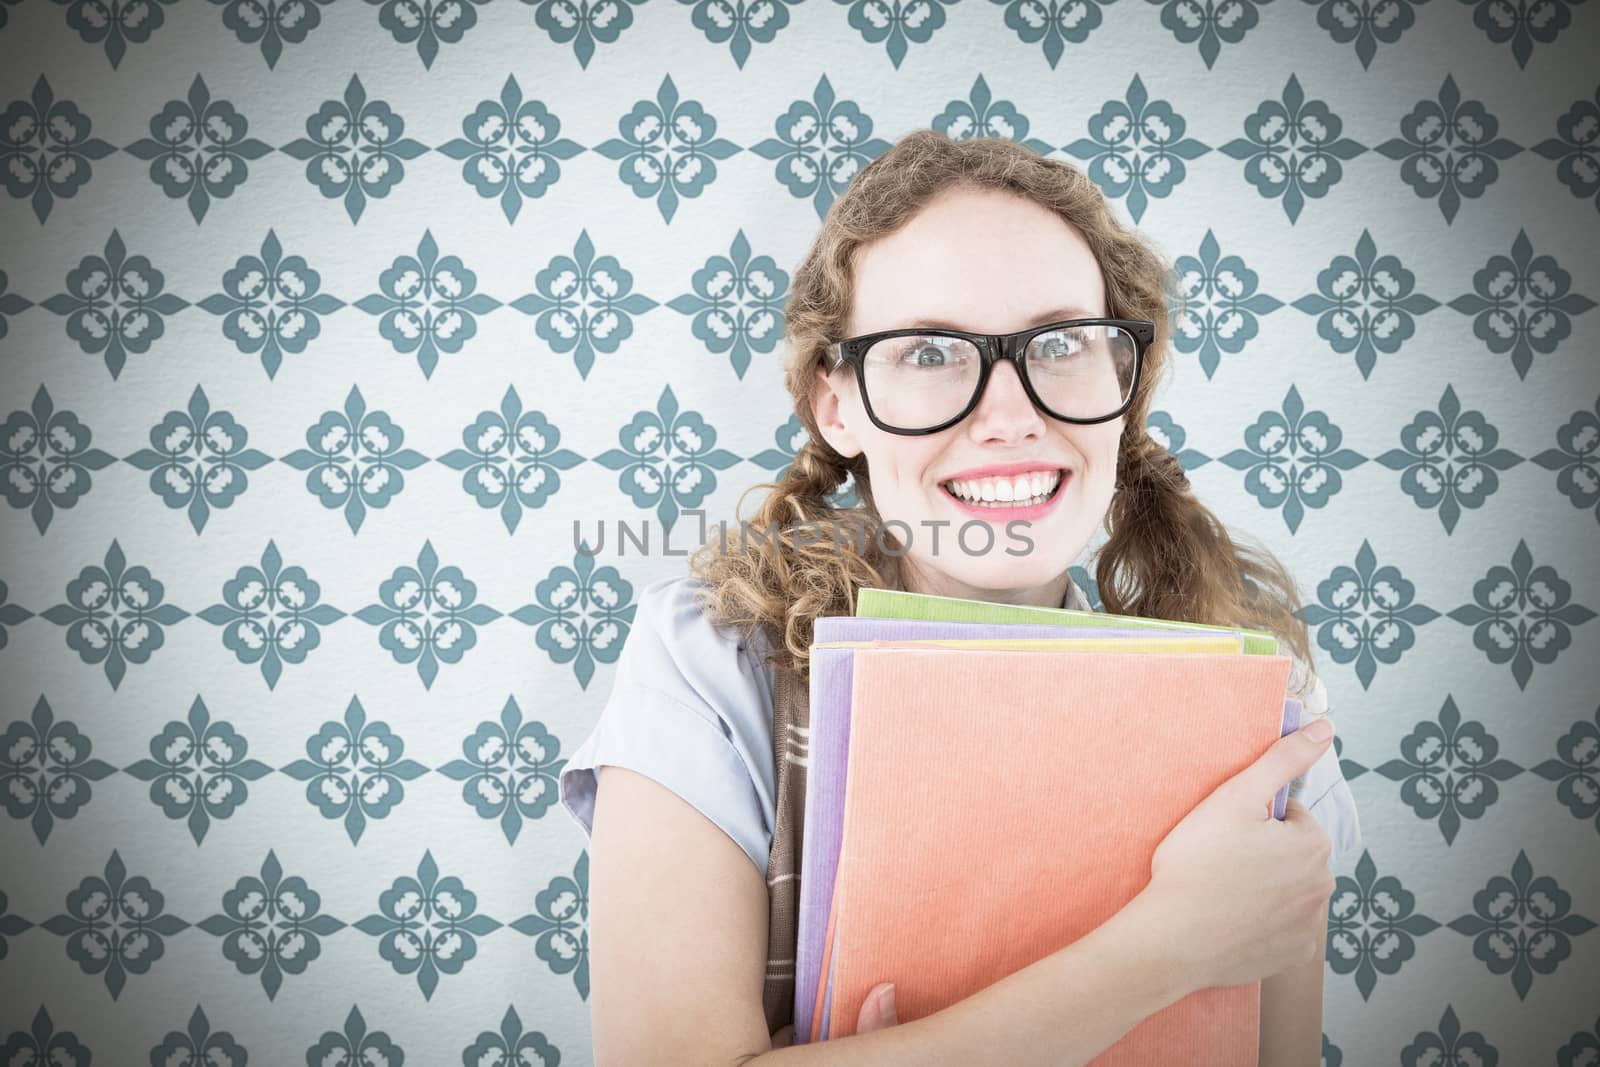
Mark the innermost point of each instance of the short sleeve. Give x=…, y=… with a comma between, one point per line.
x=1323, y=789
x=691, y=708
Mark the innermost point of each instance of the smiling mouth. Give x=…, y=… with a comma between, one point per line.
x=1018, y=491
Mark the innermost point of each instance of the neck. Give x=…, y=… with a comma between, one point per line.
x=1051, y=594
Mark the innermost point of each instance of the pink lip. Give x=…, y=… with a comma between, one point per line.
x=1002, y=470
x=1000, y=514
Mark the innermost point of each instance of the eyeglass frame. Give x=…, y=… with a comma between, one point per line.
x=992, y=347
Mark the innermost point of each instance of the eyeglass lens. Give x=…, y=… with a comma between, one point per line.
x=919, y=381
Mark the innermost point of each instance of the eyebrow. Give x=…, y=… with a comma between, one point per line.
x=1057, y=315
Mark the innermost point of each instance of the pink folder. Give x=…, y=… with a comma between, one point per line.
x=1056, y=853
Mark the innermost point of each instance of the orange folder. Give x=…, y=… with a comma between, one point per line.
x=983, y=830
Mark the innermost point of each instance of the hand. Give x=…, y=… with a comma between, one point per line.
x=1214, y=872
x=874, y=1016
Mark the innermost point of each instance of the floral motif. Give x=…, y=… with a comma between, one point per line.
x=1576, y=149
x=511, y=772
x=1448, y=770
x=270, y=614
x=668, y=458
x=740, y=22
x=427, y=304
x=1366, y=614
x=1372, y=925
x=114, y=304
x=1448, y=459
x=512, y=459
x=1217, y=304
x=584, y=304
x=199, y=1044
x=821, y=144
x=897, y=23
x=1576, y=770
x=668, y=149
x=46, y=460
x=115, y=924
x=1366, y=304
x=1576, y=459
x=199, y=459
x=46, y=773
x=512, y=149
x=114, y=614
x=1448, y=149
x=982, y=116
x=1522, y=615
x=1522, y=22
x=199, y=770
x=10, y=926
x=582, y=615
x=512, y=1045
x=561, y=924
x=46, y=152
x=43, y=1043
x=1161, y=426
x=1136, y=148
x=1051, y=24
x=1522, y=924
x=427, y=22
x=117, y=23
x=1449, y=1045
x=1522, y=304
x=1366, y=22
x=356, y=459
x=271, y=925
x=737, y=304
x=197, y=149
x=427, y=925
x=1292, y=146
x=356, y=770
x=355, y=148
x=1213, y=23
x=272, y=23
x=427, y=614
x=583, y=23
x=356, y=1044
x=1293, y=459
x=271, y=304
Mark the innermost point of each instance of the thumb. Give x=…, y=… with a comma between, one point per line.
x=878, y=1011
x=1289, y=757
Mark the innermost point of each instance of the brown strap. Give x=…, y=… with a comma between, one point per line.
x=791, y=747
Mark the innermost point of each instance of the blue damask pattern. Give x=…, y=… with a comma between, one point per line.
x=361, y=364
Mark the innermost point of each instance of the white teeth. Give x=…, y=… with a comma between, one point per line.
x=1032, y=488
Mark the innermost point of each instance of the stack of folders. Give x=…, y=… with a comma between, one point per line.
x=989, y=782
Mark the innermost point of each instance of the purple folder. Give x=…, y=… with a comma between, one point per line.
x=831, y=680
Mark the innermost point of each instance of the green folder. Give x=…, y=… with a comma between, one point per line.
x=897, y=604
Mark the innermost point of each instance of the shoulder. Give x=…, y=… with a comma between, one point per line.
x=691, y=707
x=675, y=645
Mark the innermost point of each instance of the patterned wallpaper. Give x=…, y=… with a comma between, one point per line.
x=329, y=333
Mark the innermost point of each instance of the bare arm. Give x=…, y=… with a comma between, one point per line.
x=678, y=932
x=1291, y=1014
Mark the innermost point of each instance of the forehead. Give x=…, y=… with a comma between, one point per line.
x=987, y=261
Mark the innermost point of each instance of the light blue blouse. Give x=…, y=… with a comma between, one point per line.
x=691, y=708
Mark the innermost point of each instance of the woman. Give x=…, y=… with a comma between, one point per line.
x=692, y=852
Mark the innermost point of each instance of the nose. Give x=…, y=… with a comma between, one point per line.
x=1004, y=413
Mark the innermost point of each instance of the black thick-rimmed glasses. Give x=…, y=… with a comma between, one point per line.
x=923, y=380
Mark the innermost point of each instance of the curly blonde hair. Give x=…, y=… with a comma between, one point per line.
x=1166, y=555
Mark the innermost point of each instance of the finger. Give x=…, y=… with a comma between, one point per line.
x=784, y=1037
x=1289, y=757
x=877, y=1013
